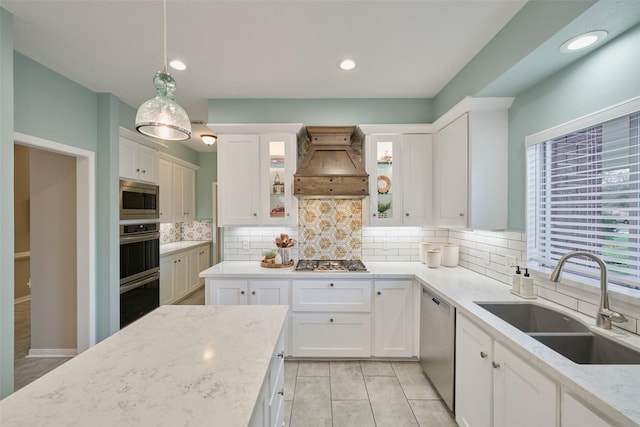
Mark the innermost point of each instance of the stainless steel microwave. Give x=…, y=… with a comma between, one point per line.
x=139, y=201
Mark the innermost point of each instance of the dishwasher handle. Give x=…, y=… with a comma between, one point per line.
x=435, y=300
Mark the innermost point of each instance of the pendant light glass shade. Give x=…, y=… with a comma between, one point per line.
x=161, y=116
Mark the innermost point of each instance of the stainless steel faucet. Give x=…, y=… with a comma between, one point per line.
x=605, y=315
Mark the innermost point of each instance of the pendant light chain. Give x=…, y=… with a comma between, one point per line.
x=164, y=11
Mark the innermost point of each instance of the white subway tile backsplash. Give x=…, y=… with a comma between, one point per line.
x=558, y=298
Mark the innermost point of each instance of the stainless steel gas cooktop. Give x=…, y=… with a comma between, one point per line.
x=344, y=265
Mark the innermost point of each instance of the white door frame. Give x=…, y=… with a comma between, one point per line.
x=85, y=232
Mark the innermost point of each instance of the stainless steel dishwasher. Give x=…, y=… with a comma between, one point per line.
x=437, y=343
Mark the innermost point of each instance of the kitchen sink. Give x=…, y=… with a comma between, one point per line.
x=589, y=349
x=563, y=334
x=534, y=318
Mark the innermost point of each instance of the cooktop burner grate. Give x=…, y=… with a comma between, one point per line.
x=345, y=265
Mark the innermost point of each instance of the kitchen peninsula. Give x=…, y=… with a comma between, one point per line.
x=178, y=365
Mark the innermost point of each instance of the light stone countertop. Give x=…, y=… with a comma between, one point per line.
x=171, y=248
x=176, y=366
x=612, y=389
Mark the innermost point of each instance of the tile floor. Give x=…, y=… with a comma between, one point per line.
x=361, y=393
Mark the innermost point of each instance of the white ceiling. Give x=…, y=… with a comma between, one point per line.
x=258, y=49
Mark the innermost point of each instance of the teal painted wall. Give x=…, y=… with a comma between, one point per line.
x=50, y=106
x=530, y=27
x=321, y=111
x=606, y=77
x=206, y=175
x=6, y=204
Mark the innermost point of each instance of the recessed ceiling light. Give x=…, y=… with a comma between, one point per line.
x=209, y=139
x=347, y=64
x=176, y=64
x=583, y=41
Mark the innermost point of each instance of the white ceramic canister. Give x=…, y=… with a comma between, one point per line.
x=426, y=247
x=450, y=254
x=433, y=258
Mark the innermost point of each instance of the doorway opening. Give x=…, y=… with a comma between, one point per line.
x=61, y=244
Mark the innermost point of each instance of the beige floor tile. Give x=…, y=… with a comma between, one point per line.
x=312, y=403
x=388, y=403
x=288, y=404
x=313, y=369
x=413, y=381
x=290, y=374
x=376, y=369
x=347, y=382
x=432, y=413
x=352, y=413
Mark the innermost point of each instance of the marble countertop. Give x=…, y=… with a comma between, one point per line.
x=613, y=389
x=172, y=248
x=176, y=366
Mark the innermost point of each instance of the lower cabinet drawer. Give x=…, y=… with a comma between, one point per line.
x=331, y=335
x=331, y=295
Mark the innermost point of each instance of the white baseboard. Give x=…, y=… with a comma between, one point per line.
x=22, y=299
x=52, y=352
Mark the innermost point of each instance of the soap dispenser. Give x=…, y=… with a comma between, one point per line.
x=516, y=281
x=526, y=285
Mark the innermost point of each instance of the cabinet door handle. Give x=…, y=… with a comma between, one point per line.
x=253, y=292
x=375, y=214
x=331, y=320
x=241, y=292
x=281, y=392
x=331, y=284
x=255, y=214
x=137, y=170
x=144, y=171
x=281, y=354
x=461, y=214
x=495, y=365
x=379, y=293
x=407, y=214
x=483, y=354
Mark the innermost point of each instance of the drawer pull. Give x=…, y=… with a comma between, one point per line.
x=281, y=392
x=483, y=354
x=241, y=292
x=379, y=293
x=253, y=292
x=331, y=320
x=495, y=365
x=331, y=284
x=281, y=354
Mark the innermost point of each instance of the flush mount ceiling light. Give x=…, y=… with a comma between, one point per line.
x=347, y=64
x=583, y=41
x=209, y=139
x=161, y=116
x=176, y=64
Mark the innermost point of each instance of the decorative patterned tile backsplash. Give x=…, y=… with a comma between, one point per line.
x=330, y=229
x=192, y=230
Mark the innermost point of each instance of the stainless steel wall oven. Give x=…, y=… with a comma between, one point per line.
x=139, y=270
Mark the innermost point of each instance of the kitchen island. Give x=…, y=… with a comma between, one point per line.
x=176, y=366
x=611, y=391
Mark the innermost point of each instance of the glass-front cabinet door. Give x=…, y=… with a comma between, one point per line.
x=383, y=165
x=278, y=164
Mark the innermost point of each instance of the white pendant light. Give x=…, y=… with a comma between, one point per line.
x=161, y=116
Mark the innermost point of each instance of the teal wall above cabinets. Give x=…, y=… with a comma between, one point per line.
x=605, y=77
x=321, y=111
x=205, y=176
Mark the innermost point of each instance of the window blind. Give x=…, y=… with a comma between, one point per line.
x=583, y=193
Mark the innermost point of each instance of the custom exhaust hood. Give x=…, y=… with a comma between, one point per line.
x=330, y=168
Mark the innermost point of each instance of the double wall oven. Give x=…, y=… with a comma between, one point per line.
x=139, y=252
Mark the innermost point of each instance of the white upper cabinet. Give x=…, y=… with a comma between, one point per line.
x=177, y=181
x=138, y=162
x=400, y=169
x=255, y=174
x=471, y=165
